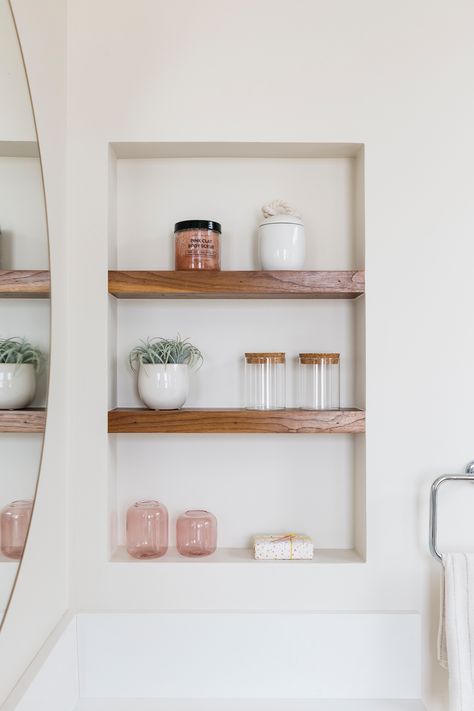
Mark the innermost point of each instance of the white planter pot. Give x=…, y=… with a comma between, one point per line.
x=281, y=243
x=163, y=387
x=17, y=385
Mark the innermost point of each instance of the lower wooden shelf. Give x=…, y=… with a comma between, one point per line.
x=27, y=421
x=328, y=556
x=237, y=420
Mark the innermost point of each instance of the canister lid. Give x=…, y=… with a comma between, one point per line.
x=310, y=358
x=281, y=220
x=198, y=225
x=264, y=357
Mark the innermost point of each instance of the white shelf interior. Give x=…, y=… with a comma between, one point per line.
x=268, y=487
x=326, y=556
x=23, y=239
x=21, y=455
x=311, y=484
x=29, y=318
x=230, y=184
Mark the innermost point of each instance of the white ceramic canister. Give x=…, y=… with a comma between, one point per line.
x=163, y=386
x=281, y=242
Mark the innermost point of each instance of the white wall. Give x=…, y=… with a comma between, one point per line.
x=16, y=120
x=153, y=660
x=391, y=75
x=249, y=656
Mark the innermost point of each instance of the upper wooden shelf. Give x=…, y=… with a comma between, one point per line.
x=236, y=284
x=230, y=420
x=24, y=284
x=26, y=421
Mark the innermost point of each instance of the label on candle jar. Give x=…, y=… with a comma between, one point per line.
x=204, y=246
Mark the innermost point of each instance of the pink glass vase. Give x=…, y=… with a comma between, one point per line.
x=147, y=529
x=196, y=533
x=14, y=522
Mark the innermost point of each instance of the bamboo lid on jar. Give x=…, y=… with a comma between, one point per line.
x=264, y=357
x=315, y=358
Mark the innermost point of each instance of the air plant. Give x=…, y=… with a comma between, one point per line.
x=164, y=351
x=19, y=351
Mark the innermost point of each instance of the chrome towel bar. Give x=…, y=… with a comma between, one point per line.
x=468, y=476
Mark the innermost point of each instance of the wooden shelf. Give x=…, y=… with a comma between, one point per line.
x=237, y=285
x=237, y=420
x=24, y=284
x=30, y=420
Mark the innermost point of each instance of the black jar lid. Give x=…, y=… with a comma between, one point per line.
x=198, y=225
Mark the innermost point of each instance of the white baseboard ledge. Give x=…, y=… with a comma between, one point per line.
x=250, y=705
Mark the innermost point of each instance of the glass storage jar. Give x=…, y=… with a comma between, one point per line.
x=147, y=529
x=319, y=381
x=265, y=381
x=196, y=533
x=15, y=520
x=197, y=245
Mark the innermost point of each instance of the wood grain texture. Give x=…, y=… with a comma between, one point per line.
x=24, y=284
x=237, y=284
x=229, y=421
x=27, y=421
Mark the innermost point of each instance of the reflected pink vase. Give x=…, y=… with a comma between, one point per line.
x=14, y=522
x=196, y=533
x=147, y=529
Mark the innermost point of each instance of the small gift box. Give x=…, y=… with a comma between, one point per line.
x=286, y=546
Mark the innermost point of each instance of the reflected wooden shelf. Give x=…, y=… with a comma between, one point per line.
x=19, y=149
x=27, y=421
x=236, y=420
x=237, y=284
x=24, y=284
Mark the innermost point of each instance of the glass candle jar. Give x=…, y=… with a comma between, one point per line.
x=265, y=381
x=319, y=381
x=147, y=529
x=197, y=245
x=196, y=533
x=14, y=522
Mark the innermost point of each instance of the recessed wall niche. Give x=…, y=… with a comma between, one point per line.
x=314, y=483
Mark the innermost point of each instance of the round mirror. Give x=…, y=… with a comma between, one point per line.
x=24, y=307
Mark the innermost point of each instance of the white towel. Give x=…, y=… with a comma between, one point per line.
x=456, y=630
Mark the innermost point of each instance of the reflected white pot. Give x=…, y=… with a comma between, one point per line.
x=17, y=385
x=281, y=243
x=163, y=387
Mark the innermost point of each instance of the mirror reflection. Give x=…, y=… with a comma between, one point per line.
x=24, y=307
